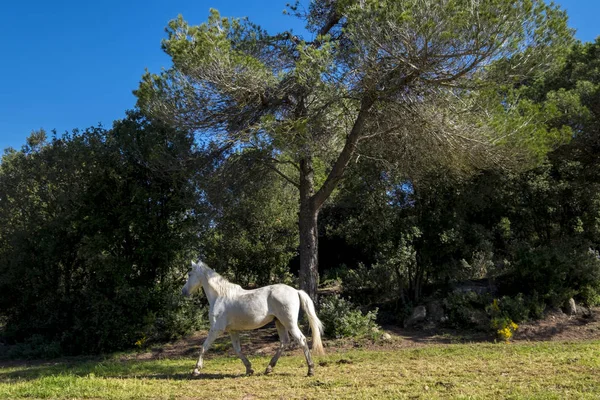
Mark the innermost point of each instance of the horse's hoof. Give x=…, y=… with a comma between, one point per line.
x=311, y=372
x=195, y=373
x=268, y=370
x=249, y=372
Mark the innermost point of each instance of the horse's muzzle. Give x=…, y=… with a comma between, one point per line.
x=185, y=292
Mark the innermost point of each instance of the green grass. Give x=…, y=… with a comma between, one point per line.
x=547, y=370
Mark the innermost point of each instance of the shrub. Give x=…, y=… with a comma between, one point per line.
x=35, y=347
x=590, y=295
x=179, y=317
x=92, y=256
x=342, y=319
x=501, y=322
x=516, y=308
x=556, y=272
x=467, y=310
x=505, y=328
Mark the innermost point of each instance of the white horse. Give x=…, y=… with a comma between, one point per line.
x=233, y=309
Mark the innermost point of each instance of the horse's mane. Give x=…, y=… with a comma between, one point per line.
x=221, y=285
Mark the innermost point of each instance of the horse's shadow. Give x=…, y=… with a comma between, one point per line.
x=190, y=377
x=115, y=370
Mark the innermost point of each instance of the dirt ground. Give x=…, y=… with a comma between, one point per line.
x=556, y=326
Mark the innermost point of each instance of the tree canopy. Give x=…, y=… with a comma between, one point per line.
x=423, y=77
x=97, y=229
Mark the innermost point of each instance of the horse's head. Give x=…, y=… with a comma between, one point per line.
x=194, y=280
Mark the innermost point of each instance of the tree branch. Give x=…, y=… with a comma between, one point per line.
x=337, y=172
x=281, y=174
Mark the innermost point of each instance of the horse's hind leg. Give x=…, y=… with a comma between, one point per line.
x=299, y=337
x=235, y=341
x=283, y=341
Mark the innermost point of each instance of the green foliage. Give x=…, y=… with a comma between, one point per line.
x=590, y=294
x=253, y=233
x=414, y=78
x=95, y=235
x=501, y=322
x=556, y=272
x=35, y=347
x=535, y=231
x=517, y=308
x=342, y=319
x=466, y=310
x=178, y=317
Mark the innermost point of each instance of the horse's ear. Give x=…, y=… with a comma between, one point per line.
x=193, y=263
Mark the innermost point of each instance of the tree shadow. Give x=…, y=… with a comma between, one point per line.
x=441, y=336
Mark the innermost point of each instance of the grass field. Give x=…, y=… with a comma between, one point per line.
x=543, y=370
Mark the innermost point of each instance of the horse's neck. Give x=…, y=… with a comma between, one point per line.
x=215, y=285
x=210, y=292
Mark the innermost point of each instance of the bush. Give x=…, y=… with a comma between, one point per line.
x=505, y=328
x=466, y=310
x=342, y=319
x=501, y=322
x=179, y=317
x=95, y=235
x=34, y=347
x=590, y=295
x=556, y=272
x=516, y=308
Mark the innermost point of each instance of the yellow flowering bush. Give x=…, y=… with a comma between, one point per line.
x=504, y=326
x=139, y=343
x=507, y=330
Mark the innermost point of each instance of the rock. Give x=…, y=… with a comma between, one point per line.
x=479, y=286
x=435, y=311
x=418, y=315
x=386, y=337
x=571, y=307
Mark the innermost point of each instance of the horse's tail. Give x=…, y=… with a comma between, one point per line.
x=315, y=324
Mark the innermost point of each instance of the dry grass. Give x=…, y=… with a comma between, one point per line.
x=545, y=370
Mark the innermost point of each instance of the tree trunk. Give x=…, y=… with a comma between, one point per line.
x=309, y=242
x=309, y=237
x=311, y=202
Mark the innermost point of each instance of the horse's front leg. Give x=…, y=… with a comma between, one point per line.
x=237, y=346
x=212, y=335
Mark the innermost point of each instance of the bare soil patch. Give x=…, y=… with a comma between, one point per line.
x=556, y=326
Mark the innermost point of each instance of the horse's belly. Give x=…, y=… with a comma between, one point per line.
x=245, y=322
x=249, y=315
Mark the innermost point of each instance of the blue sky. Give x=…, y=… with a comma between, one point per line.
x=72, y=64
